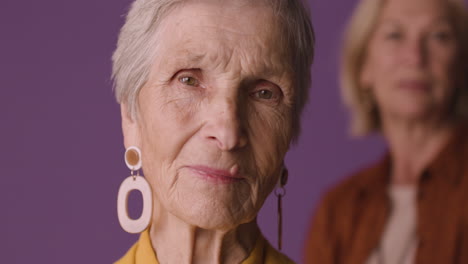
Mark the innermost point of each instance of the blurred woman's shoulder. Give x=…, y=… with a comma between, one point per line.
x=341, y=211
x=364, y=180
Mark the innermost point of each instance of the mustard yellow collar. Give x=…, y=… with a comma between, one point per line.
x=142, y=253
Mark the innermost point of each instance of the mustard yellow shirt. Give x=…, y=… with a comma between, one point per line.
x=142, y=253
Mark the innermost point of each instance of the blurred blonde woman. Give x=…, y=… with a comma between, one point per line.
x=404, y=76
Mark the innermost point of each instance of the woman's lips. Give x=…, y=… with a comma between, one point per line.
x=218, y=175
x=415, y=85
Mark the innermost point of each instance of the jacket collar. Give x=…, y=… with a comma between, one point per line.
x=450, y=160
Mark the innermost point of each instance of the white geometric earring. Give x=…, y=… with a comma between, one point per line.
x=134, y=182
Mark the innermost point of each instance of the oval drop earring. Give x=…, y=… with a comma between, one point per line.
x=134, y=182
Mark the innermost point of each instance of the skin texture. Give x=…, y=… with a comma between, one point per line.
x=409, y=71
x=214, y=123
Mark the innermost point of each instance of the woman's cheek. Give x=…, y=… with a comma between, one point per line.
x=183, y=106
x=278, y=121
x=269, y=148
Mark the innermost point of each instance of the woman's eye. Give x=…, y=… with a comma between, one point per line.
x=267, y=92
x=187, y=80
x=442, y=36
x=264, y=94
x=393, y=36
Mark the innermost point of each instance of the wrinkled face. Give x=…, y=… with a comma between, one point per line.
x=214, y=118
x=410, y=60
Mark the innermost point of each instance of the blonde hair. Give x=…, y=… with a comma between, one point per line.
x=135, y=50
x=365, y=117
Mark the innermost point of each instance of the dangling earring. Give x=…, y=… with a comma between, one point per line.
x=280, y=191
x=134, y=182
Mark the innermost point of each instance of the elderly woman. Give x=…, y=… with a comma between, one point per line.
x=405, y=76
x=211, y=93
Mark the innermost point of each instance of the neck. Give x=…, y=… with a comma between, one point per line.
x=176, y=241
x=413, y=145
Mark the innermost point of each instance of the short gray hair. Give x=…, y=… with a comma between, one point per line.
x=135, y=50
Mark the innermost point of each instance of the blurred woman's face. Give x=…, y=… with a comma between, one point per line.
x=410, y=60
x=214, y=118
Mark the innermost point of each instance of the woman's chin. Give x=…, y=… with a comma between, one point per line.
x=216, y=217
x=411, y=112
x=213, y=208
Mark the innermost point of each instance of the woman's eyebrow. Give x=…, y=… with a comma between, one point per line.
x=191, y=58
x=194, y=57
x=184, y=59
x=443, y=19
x=189, y=53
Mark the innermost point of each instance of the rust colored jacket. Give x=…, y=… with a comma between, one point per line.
x=351, y=218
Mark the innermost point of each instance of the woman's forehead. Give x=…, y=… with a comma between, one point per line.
x=220, y=33
x=409, y=9
x=221, y=16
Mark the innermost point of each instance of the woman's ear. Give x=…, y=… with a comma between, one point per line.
x=130, y=128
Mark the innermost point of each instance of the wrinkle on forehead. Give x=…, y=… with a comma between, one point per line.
x=218, y=39
x=228, y=17
x=230, y=10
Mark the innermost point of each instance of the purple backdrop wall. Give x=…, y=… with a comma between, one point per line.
x=62, y=152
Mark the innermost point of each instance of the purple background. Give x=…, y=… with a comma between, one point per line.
x=61, y=143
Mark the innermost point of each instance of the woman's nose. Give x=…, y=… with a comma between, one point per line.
x=225, y=127
x=415, y=52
